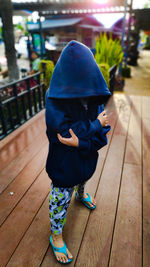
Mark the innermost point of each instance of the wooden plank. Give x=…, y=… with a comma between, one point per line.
x=8, y=174
x=36, y=234
x=21, y=184
x=35, y=242
x=39, y=231
x=23, y=258
x=19, y=220
x=78, y=215
x=26, y=125
x=98, y=235
x=14, y=143
x=145, y=106
x=146, y=181
x=133, y=149
x=127, y=241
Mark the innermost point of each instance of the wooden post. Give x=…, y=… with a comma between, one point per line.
x=41, y=39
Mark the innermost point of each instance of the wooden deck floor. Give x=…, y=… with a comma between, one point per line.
x=117, y=233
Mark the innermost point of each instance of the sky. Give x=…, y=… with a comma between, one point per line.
x=109, y=19
x=139, y=3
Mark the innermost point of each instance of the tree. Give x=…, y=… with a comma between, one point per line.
x=6, y=12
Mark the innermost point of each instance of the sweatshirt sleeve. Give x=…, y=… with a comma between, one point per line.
x=97, y=141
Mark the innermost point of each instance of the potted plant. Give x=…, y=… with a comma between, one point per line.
x=110, y=52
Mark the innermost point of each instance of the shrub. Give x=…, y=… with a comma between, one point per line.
x=108, y=50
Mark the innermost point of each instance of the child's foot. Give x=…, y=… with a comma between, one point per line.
x=93, y=200
x=58, y=242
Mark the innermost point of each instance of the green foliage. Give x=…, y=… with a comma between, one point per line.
x=104, y=67
x=126, y=72
x=26, y=33
x=108, y=50
x=19, y=27
x=48, y=66
x=1, y=32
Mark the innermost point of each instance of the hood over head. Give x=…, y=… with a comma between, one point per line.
x=77, y=75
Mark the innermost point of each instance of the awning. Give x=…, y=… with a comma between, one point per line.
x=53, y=23
x=92, y=27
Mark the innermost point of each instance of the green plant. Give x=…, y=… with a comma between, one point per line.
x=48, y=67
x=126, y=71
x=19, y=27
x=1, y=32
x=104, y=67
x=108, y=50
x=147, y=46
x=26, y=33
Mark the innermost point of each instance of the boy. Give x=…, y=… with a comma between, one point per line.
x=76, y=128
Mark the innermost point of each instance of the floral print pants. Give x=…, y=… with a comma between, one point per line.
x=59, y=199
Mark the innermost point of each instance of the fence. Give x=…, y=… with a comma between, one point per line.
x=19, y=101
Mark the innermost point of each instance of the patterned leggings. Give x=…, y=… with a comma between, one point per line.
x=59, y=199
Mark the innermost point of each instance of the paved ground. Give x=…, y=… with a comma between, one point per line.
x=22, y=63
x=139, y=84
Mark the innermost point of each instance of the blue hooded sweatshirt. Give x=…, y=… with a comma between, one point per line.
x=74, y=100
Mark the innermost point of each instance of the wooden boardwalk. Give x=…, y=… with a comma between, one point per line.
x=117, y=233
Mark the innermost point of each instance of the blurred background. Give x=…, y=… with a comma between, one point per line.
x=47, y=25
x=34, y=32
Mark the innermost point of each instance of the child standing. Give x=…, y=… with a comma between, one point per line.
x=76, y=128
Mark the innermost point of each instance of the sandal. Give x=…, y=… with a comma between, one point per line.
x=85, y=200
x=62, y=250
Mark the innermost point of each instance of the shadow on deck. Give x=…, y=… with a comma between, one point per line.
x=117, y=232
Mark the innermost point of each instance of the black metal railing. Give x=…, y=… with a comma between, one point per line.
x=112, y=73
x=19, y=101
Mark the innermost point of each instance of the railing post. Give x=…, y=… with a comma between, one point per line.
x=39, y=92
x=2, y=118
x=34, y=99
x=112, y=72
x=16, y=103
x=10, y=115
x=43, y=86
x=24, y=108
x=29, y=96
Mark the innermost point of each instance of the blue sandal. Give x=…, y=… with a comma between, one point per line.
x=85, y=200
x=62, y=250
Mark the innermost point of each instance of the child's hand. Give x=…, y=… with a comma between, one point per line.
x=102, y=117
x=71, y=141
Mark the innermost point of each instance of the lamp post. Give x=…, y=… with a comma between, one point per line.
x=129, y=31
x=123, y=31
